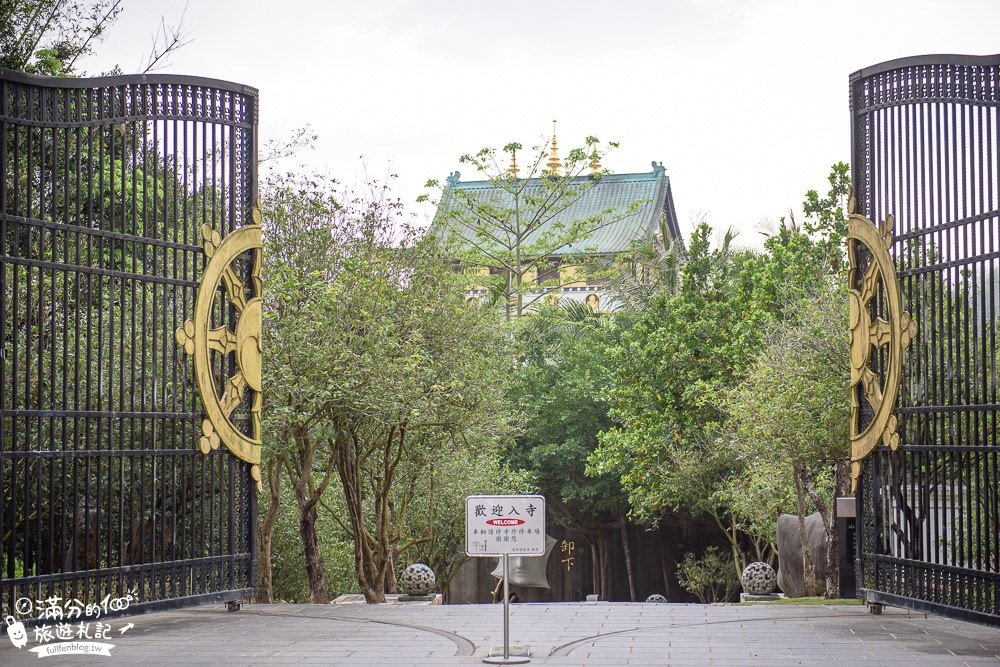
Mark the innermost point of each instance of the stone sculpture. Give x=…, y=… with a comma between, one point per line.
x=758, y=579
x=528, y=571
x=417, y=579
x=791, y=579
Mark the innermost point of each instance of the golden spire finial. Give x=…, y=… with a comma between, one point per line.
x=513, y=169
x=595, y=162
x=554, y=164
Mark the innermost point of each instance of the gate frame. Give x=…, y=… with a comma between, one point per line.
x=210, y=91
x=861, y=179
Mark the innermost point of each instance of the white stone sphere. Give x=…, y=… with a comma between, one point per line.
x=418, y=579
x=758, y=579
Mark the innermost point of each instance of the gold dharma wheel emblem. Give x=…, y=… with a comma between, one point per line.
x=201, y=341
x=869, y=335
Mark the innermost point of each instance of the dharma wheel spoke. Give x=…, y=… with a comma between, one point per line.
x=233, y=394
x=228, y=285
x=869, y=282
x=880, y=333
x=234, y=288
x=871, y=389
x=221, y=340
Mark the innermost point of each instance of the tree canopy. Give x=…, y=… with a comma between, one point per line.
x=509, y=232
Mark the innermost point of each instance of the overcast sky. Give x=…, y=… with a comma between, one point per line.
x=744, y=102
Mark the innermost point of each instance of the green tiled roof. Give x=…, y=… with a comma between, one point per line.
x=615, y=192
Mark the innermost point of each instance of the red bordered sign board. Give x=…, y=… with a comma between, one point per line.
x=497, y=525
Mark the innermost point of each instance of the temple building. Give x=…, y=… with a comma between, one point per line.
x=596, y=218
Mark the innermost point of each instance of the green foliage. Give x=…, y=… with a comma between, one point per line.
x=664, y=371
x=709, y=578
x=434, y=531
x=756, y=495
x=558, y=385
x=793, y=401
x=826, y=217
x=514, y=228
x=649, y=268
x=378, y=369
x=290, y=581
x=49, y=36
x=18, y=568
x=764, y=323
x=788, y=416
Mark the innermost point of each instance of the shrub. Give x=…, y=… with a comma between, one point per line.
x=710, y=578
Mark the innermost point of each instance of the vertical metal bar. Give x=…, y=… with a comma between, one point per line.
x=186, y=582
x=5, y=545
x=231, y=523
x=990, y=193
x=5, y=154
x=69, y=275
x=506, y=607
x=29, y=314
x=15, y=370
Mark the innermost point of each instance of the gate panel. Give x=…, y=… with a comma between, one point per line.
x=109, y=187
x=926, y=153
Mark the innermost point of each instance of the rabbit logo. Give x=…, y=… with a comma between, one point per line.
x=15, y=630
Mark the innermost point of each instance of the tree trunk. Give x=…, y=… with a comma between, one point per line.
x=840, y=485
x=732, y=534
x=668, y=558
x=627, y=547
x=595, y=565
x=314, y=558
x=299, y=466
x=391, y=585
x=372, y=557
x=832, y=556
x=265, y=588
x=607, y=591
x=808, y=562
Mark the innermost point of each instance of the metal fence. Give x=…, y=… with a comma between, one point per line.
x=104, y=491
x=926, y=153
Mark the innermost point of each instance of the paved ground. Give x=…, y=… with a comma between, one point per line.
x=558, y=634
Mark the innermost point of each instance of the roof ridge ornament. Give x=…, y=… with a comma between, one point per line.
x=658, y=167
x=554, y=164
x=595, y=162
x=513, y=169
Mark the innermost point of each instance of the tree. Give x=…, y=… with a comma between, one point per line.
x=377, y=366
x=558, y=384
x=652, y=266
x=665, y=372
x=421, y=371
x=514, y=227
x=800, y=267
x=49, y=36
x=429, y=504
x=791, y=410
x=826, y=217
x=302, y=252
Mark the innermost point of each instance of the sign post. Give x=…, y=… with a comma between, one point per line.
x=501, y=526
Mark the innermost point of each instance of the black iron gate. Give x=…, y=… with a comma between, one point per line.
x=925, y=279
x=120, y=197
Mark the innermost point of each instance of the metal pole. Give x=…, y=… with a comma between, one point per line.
x=506, y=659
x=506, y=611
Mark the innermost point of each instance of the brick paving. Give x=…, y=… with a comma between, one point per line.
x=564, y=634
